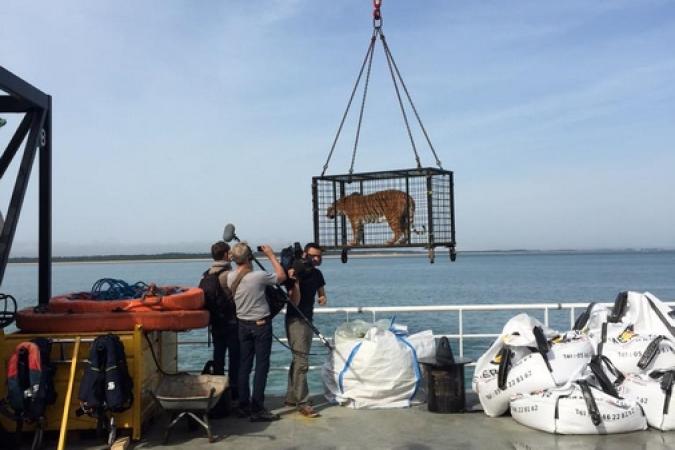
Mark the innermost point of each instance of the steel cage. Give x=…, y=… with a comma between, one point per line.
x=430, y=189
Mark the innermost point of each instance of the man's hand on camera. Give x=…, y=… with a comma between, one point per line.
x=292, y=275
x=267, y=251
x=322, y=300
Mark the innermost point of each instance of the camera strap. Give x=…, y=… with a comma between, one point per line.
x=235, y=284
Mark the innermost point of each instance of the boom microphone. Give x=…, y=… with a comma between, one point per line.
x=228, y=233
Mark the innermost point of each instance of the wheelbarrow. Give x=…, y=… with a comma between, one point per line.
x=190, y=396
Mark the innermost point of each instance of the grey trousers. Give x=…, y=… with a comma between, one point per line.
x=299, y=339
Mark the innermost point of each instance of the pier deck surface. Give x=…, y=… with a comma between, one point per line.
x=410, y=428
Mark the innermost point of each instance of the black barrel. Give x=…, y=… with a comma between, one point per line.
x=445, y=386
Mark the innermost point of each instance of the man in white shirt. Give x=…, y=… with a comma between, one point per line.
x=255, y=326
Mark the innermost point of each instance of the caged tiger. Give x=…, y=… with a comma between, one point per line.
x=395, y=207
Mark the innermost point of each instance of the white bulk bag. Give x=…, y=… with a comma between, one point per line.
x=645, y=312
x=654, y=393
x=564, y=410
x=379, y=370
x=590, y=404
x=568, y=354
x=528, y=374
x=424, y=344
x=523, y=368
x=636, y=353
x=590, y=322
x=518, y=335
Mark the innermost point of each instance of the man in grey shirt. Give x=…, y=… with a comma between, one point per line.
x=255, y=326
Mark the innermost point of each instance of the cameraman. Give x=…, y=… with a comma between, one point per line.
x=255, y=327
x=299, y=334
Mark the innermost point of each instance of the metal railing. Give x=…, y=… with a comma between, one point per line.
x=461, y=337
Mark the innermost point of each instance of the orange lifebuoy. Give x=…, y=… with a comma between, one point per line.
x=60, y=322
x=191, y=298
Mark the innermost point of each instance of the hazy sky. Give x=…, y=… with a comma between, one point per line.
x=172, y=118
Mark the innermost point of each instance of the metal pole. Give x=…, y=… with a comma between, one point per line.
x=315, y=211
x=45, y=225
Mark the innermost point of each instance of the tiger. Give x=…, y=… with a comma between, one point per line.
x=393, y=206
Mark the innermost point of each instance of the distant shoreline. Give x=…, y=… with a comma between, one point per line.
x=369, y=253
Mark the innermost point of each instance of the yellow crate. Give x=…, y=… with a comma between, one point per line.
x=142, y=369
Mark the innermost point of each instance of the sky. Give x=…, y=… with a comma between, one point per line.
x=173, y=118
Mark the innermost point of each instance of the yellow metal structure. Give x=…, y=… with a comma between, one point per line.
x=142, y=369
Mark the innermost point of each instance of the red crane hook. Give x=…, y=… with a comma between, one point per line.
x=376, y=9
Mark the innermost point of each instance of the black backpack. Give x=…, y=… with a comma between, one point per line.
x=30, y=379
x=276, y=299
x=106, y=384
x=219, y=301
x=275, y=295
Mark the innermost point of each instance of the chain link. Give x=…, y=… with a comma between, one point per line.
x=363, y=105
x=400, y=101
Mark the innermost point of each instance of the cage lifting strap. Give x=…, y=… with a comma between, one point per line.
x=396, y=79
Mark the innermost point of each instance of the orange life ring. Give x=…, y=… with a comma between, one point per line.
x=190, y=298
x=58, y=322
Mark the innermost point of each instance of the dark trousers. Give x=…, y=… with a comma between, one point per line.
x=254, y=340
x=226, y=341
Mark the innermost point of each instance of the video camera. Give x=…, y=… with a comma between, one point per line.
x=291, y=258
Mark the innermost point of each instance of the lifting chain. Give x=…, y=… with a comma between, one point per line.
x=396, y=79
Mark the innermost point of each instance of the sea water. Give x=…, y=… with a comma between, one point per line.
x=475, y=278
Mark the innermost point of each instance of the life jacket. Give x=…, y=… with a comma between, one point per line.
x=218, y=300
x=106, y=384
x=30, y=379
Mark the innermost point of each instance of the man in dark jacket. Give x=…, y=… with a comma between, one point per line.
x=224, y=328
x=299, y=334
